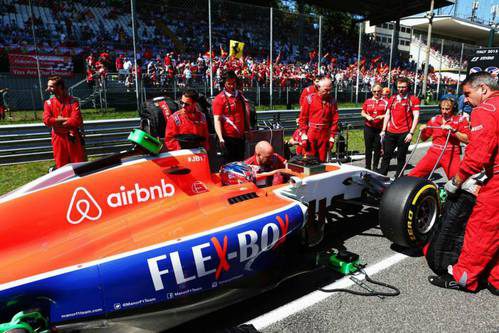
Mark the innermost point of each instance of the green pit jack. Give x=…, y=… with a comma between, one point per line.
x=26, y=322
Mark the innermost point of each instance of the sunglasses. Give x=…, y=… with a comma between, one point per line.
x=185, y=104
x=376, y=91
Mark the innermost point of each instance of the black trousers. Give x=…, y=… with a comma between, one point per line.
x=234, y=149
x=390, y=142
x=373, y=145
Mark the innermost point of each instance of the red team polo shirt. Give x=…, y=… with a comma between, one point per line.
x=231, y=109
x=375, y=107
x=401, y=109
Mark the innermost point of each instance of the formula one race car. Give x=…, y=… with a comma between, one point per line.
x=141, y=235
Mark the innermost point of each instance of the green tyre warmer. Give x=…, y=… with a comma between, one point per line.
x=445, y=245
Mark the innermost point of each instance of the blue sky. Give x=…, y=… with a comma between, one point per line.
x=464, y=9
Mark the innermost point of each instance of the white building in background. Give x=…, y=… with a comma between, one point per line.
x=456, y=34
x=383, y=33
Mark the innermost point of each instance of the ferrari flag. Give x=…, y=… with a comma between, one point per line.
x=236, y=49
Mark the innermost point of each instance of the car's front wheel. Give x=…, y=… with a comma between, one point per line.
x=409, y=211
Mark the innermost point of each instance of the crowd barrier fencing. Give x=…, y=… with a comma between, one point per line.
x=32, y=142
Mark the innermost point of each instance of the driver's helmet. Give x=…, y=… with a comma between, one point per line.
x=236, y=173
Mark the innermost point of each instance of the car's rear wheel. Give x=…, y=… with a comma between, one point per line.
x=409, y=211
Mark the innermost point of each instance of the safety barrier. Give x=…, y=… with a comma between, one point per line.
x=32, y=142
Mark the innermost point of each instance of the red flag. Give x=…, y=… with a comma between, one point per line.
x=278, y=59
x=375, y=59
x=312, y=55
x=223, y=54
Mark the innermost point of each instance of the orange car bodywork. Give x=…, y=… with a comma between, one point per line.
x=78, y=225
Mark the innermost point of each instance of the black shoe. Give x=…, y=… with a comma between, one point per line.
x=492, y=289
x=445, y=281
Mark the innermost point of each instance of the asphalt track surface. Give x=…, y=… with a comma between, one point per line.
x=298, y=306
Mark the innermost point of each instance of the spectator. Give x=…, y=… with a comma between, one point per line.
x=464, y=107
x=451, y=94
x=62, y=113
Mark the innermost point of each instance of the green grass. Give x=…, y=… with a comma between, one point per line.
x=26, y=117
x=13, y=176
x=35, y=116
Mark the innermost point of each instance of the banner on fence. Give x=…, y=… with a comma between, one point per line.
x=25, y=64
x=484, y=59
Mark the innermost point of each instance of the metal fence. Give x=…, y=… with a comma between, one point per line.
x=32, y=142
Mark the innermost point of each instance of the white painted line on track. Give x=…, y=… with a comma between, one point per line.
x=317, y=296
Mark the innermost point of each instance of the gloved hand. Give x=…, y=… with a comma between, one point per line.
x=451, y=187
x=304, y=141
x=471, y=185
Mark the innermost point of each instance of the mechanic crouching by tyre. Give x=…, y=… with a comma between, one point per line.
x=187, y=121
x=400, y=122
x=438, y=129
x=62, y=113
x=479, y=256
x=231, y=119
x=319, y=121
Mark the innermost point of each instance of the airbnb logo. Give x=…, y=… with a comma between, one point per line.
x=83, y=206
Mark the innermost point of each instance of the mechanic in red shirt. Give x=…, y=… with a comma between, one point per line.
x=311, y=89
x=267, y=164
x=188, y=120
x=373, y=110
x=479, y=256
x=446, y=121
x=400, y=122
x=62, y=114
x=231, y=119
x=319, y=120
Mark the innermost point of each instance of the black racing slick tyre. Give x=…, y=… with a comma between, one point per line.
x=157, y=122
x=409, y=211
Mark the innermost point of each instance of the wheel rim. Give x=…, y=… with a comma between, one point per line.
x=426, y=215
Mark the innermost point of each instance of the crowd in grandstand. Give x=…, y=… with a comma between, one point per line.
x=68, y=28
